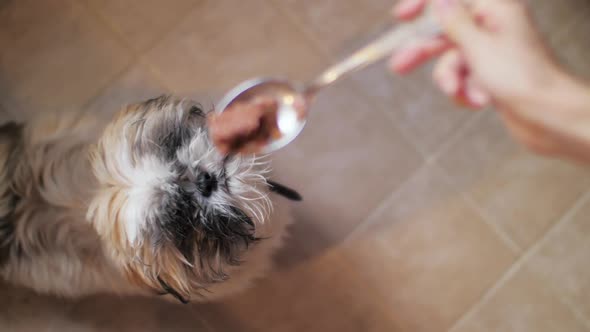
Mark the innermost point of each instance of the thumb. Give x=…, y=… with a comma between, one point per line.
x=457, y=22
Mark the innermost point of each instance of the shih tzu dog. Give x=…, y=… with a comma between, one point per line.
x=142, y=205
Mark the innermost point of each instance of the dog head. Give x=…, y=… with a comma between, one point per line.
x=173, y=212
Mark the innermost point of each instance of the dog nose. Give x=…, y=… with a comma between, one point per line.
x=206, y=183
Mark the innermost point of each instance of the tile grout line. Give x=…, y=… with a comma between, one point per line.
x=117, y=75
x=513, y=246
x=301, y=27
x=153, y=69
x=421, y=152
x=106, y=86
x=486, y=218
x=138, y=56
x=134, y=57
x=520, y=263
x=161, y=36
x=579, y=315
x=454, y=138
x=369, y=219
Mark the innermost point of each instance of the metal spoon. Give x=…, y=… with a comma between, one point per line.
x=289, y=121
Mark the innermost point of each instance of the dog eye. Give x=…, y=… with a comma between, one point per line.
x=196, y=110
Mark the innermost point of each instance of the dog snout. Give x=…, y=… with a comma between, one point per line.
x=206, y=183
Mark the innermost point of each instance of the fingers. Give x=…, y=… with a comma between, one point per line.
x=447, y=73
x=454, y=78
x=417, y=54
x=408, y=9
x=457, y=21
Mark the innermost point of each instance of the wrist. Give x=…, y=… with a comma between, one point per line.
x=562, y=106
x=574, y=97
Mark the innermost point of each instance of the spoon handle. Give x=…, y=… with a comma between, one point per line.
x=423, y=26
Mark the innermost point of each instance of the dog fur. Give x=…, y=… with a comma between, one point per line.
x=142, y=204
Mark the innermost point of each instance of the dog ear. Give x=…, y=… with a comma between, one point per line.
x=284, y=191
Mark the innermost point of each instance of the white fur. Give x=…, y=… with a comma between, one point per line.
x=148, y=175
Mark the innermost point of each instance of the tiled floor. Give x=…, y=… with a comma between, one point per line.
x=417, y=217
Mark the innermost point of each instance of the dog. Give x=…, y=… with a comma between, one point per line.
x=142, y=204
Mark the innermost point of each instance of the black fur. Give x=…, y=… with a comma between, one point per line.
x=284, y=191
x=169, y=290
x=189, y=225
x=226, y=234
x=10, y=134
x=181, y=223
x=174, y=134
x=6, y=238
x=168, y=129
x=158, y=102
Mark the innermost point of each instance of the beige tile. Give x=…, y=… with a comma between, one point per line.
x=143, y=22
x=23, y=19
x=348, y=159
x=322, y=295
x=110, y=313
x=527, y=195
x=565, y=26
x=59, y=55
x=522, y=193
x=428, y=254
x=225, y=42
x=555, y=16
x=523, y=304
x=337, y=25
x=415, y=105
x=551, y=17
x=22, y=310
x=478, y=150
x=563, y=259
x=137, y=84
x=572, y=44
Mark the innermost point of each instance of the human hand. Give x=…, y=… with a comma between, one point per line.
x=492, y=53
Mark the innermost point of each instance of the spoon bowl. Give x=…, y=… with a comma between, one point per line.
x=290, y=123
